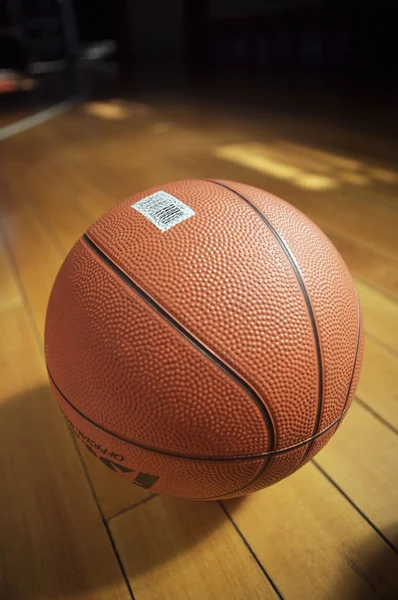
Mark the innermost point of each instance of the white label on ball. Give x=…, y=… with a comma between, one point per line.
x=163, y=210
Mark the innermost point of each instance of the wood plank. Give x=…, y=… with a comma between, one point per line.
x=57, y=207
x=53, y=542
x=362, y=458
x=114, y=493
x=378, y=384
x=337, y=212
x=85, y=191
x=38, y=257
x=180, y=549
x=52, y=173
x=312, y=542
x=34, y=252
x=116, y=168
x=10, y=295
x=366, y=264
x=328, y=160
x=380, y=315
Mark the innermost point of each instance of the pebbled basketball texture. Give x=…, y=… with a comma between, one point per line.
x=210, y=360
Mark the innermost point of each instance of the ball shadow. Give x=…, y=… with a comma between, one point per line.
x=162, y=529
x=381, y=574
x=53, y=539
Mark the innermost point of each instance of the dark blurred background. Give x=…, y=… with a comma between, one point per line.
x=340, y=52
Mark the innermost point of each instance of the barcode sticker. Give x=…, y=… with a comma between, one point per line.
x=163, y=210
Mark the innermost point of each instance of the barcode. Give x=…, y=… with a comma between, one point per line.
x=163, y=210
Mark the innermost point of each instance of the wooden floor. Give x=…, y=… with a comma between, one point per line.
x=69, y=528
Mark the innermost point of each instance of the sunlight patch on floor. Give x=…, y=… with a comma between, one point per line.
x=256, y=156
x=117, y=110
x=303, y=166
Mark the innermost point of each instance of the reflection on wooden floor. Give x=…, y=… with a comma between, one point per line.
x=72, y=529
x=304, y=167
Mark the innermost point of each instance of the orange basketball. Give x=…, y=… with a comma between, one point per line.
x=204, y=339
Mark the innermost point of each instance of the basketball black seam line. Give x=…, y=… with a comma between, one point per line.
x=187, y=335
x=103, y=519
x=254, y=478
x=159, y=309
x=307, y=301
x=198, y=456
x=303, y=290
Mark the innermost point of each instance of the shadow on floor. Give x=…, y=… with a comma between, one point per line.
x=383, y=568
x=53, y=540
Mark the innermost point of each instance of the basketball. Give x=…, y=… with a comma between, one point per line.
x=204, y=339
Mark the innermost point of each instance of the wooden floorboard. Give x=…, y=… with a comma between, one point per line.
x=312, y=541
x=53, y=543
x=381, y=315
x=27, y=225
x=362, y=459
x=10, y=294
x=379, y=381
x=72, y=528
x=181, y=549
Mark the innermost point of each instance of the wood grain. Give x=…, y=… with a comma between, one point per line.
x=362, y=458
x=313, y=543
x=53, y=542
x=366, y=264
x=378, y=385
x=180, y=549
x=57, y=208
x=24, y=228
x=37, y=269
x=380, y=314
x=10, y=295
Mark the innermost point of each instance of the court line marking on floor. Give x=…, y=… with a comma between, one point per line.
x=36, y=119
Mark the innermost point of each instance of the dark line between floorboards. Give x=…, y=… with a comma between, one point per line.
x=382, y=344
x=107, y=529
x=132, y=507
x=36, y=334
x=238, y=531
x=355, y=506
x=375, y=414
x=119, y=560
